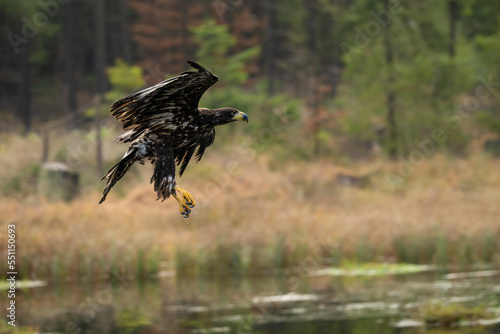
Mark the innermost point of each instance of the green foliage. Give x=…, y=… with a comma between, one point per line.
x=132, y=321
x=185, y=261
x=214, y=42
x=427, y=81
x=153, y=262
x=5, y=328
x=311, y=39
x=22, y=183
x=489, y=120
x=415, y=248
x=448, y=315
x=489, y=246
x=364, y=252
x=223, y=257
x=432, y=246
x=17, y=8
x=140, y=265
x=125, y=77
x=261, y=109
x=280, y=253
x=465, y=252
x=489, y=48
x=441, y=257
x=42, y=35
x=480, y=17
x=43, y=55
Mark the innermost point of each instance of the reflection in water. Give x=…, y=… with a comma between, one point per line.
x=244, y=305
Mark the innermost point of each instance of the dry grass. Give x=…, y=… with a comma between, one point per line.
x=265, y=214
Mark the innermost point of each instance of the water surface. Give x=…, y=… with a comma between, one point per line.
x=232, y=304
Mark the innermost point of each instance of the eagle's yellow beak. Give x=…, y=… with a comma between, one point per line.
x=241, y=116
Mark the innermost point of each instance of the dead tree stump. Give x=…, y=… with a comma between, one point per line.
x=58, y=182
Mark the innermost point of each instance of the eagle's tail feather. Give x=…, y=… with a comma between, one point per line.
x=117, y=171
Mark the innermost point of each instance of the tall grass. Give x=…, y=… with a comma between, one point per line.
x=261, y=219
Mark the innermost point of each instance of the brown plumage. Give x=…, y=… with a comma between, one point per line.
x=164, y=124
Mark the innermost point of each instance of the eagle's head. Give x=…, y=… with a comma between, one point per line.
x=223, y=116
x=231, y=115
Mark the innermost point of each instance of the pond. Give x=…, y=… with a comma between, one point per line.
x=265, y=304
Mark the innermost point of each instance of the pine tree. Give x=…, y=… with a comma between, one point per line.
x=161, y=32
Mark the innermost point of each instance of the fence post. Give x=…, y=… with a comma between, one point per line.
x=45, y=144
x=98, y=138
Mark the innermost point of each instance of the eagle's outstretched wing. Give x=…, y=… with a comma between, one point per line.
x=173, y=101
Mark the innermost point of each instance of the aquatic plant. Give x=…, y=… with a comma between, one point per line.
x=449, y=315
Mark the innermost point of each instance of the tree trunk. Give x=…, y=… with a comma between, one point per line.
x=312, y=31
x=125, y=32
x=100, y=51
x=269, y=55
x=391, y=95
x=452, y=5
x=185, y=28
x=100, y=63
x=69, y=61
x=24, y=95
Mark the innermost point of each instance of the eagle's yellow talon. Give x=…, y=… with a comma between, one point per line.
x=186, y=201
x=184, y=210
x=189, y=202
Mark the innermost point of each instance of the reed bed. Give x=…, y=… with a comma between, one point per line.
x=262, y=216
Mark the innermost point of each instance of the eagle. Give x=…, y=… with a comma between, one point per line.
x=164, y=124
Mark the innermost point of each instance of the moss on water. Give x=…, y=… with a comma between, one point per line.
x=372, y=269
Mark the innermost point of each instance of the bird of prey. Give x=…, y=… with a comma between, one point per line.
x=164, y=124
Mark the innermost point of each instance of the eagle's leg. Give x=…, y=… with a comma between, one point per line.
x=185, y=199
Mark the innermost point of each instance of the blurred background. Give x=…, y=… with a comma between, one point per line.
x=362, y=196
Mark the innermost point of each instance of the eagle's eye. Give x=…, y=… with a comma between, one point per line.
x=234, y=112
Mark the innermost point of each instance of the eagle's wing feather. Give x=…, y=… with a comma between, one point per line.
x=184, y=154
x=173, y=101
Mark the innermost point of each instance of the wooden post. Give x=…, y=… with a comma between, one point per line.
x=45, y=144
x=98, y=135
x=98, y=144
